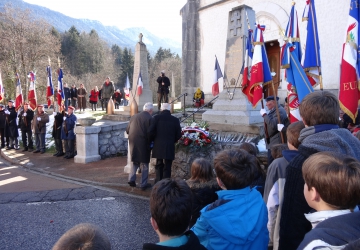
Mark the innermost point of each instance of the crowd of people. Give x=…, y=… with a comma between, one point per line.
x=79, y=97
x=308, y=198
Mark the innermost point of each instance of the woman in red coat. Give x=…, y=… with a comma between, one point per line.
x=94, y=97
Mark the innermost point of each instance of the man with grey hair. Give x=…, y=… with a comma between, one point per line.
x=139, y=145
x=165, y=131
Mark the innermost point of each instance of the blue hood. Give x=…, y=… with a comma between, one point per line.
x=241, y=220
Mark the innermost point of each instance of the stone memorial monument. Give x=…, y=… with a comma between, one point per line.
x=141, y=66
x=232, y=108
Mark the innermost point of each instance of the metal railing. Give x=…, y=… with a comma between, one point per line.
x=197, y=110
x=177, y=98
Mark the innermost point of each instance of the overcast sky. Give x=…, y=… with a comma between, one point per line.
x=160, y=17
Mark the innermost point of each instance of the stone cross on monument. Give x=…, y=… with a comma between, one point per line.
x=141, y=66
x=235, y=114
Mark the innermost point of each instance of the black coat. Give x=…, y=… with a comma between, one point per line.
x=11, y=127
x=67, y=93
x=58, y=120
x=163, y=88
x=203, y=194
x=73, y=93
x=138, y=141
x=2, y=119
x=164, y=131
x=25, y=121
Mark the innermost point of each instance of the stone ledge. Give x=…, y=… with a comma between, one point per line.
x=87, y=159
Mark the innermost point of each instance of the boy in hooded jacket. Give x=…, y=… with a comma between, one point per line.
x=238, y=219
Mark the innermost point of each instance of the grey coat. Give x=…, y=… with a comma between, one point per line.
x=107, y=90
x=39, y=127
x=271, y=121
x=165, y=131
x=138, y=141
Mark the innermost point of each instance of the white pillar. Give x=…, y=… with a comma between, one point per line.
x=87, y=144
x=129, y=162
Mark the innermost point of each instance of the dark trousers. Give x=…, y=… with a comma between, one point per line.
x=26, y=136
x=40, y=141
x=59, y=146
x=93, y=106
x=2, y=134
x=162, y=170
x=69, y=147
x=73, y=103
x=162, y=98
x=105, y=102
x=102, y=104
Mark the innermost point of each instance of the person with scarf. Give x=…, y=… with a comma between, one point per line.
x=39, y=128
x=320, y=114
x=25, y=118
x=108, y=90
x=117, y=98
x=198, y=98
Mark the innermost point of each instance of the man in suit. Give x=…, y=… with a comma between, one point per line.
x=140, y=145
x=164, y=131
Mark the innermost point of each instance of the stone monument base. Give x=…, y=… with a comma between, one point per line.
x=236, y=115
x=86, y=159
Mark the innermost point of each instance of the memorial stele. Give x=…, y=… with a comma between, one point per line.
x=232, y=109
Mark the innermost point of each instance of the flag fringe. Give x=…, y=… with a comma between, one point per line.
x=348, y=112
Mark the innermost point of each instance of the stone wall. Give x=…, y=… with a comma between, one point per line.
x=184, y=157
x=112, y=141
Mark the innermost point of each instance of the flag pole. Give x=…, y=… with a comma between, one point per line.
x=277, y=109
x=320, y=78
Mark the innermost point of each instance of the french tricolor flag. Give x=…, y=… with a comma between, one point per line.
x=349, y=91
x=19, y=96
x=32, y=91
x=49, y=87
x=247, y=66
x=140, y=85
x=217, y=75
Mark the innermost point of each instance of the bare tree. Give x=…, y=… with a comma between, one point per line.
x=26, y=44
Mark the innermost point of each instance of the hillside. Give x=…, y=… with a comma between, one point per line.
x=112, y=35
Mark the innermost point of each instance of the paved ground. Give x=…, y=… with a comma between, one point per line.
x=108, y=172
x=37, y=209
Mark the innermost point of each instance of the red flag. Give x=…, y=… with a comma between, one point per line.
x=1, y=88
x=247, y=67
x=217, y=76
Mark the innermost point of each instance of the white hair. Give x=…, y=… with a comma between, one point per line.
x=165, y=106
x=148, y=106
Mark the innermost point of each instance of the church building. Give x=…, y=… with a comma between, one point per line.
x=208, y=26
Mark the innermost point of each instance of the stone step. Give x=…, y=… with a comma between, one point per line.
x=120, y=118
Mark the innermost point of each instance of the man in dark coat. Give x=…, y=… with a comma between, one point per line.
x=2, y=125
x=107, y=91
x=272, y=123
x=67, y=95
x=164, y=131
x=39, y=128
x=68, y=133
x=73, y=95
x=163, y=88
x=25, y=118
x=11, y=128
x=56, y=133
x=140, y=145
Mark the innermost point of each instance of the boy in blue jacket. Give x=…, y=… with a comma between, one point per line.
x=237, y=220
